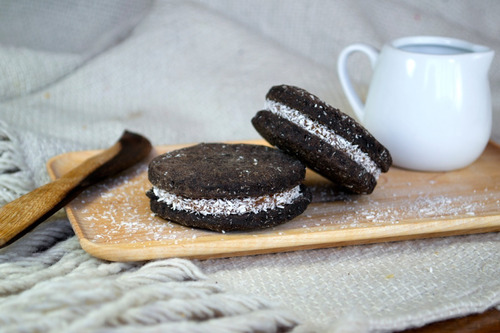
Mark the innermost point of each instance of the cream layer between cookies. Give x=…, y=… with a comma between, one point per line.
x=325, y=134
x=228, y=206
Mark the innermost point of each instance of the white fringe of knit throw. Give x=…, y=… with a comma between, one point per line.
x=49, y=284
x=14, y=177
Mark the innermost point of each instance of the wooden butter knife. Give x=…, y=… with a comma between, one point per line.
x=27, y=211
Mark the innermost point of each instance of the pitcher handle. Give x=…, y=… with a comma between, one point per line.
x=345, y=81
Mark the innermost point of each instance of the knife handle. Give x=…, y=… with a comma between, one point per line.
x=36, y=206
x=21, y=215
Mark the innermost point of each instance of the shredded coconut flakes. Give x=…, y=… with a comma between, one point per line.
x=325, y=134
x=226, y=207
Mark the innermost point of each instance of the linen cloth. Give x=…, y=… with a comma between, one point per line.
x=75, y=74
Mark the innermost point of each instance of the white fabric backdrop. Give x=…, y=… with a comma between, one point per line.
x=74, y=74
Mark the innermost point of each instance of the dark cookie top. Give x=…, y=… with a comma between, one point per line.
x=342, y=124
x=216, y=170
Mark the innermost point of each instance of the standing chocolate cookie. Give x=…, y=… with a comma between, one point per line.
x=226, y=187
x=325, y=139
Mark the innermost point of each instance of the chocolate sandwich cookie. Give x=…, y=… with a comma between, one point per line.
x=324, y=138
x=227, y=187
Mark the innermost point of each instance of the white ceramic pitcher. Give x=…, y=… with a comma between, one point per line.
x=429, y=100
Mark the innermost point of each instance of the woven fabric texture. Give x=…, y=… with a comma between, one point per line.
x=75, y=74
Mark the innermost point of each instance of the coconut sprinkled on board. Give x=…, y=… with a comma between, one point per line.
x=117, y=210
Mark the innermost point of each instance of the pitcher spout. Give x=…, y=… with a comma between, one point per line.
x=483, y=57
x=484, y=60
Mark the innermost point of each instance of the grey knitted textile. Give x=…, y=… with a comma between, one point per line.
x=75, y=74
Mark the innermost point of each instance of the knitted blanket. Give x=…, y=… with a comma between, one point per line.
x=75, y=74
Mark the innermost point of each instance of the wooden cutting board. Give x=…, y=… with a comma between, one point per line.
x=113, y=220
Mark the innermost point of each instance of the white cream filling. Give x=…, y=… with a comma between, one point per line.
x=228, y=206
x=325, y=134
